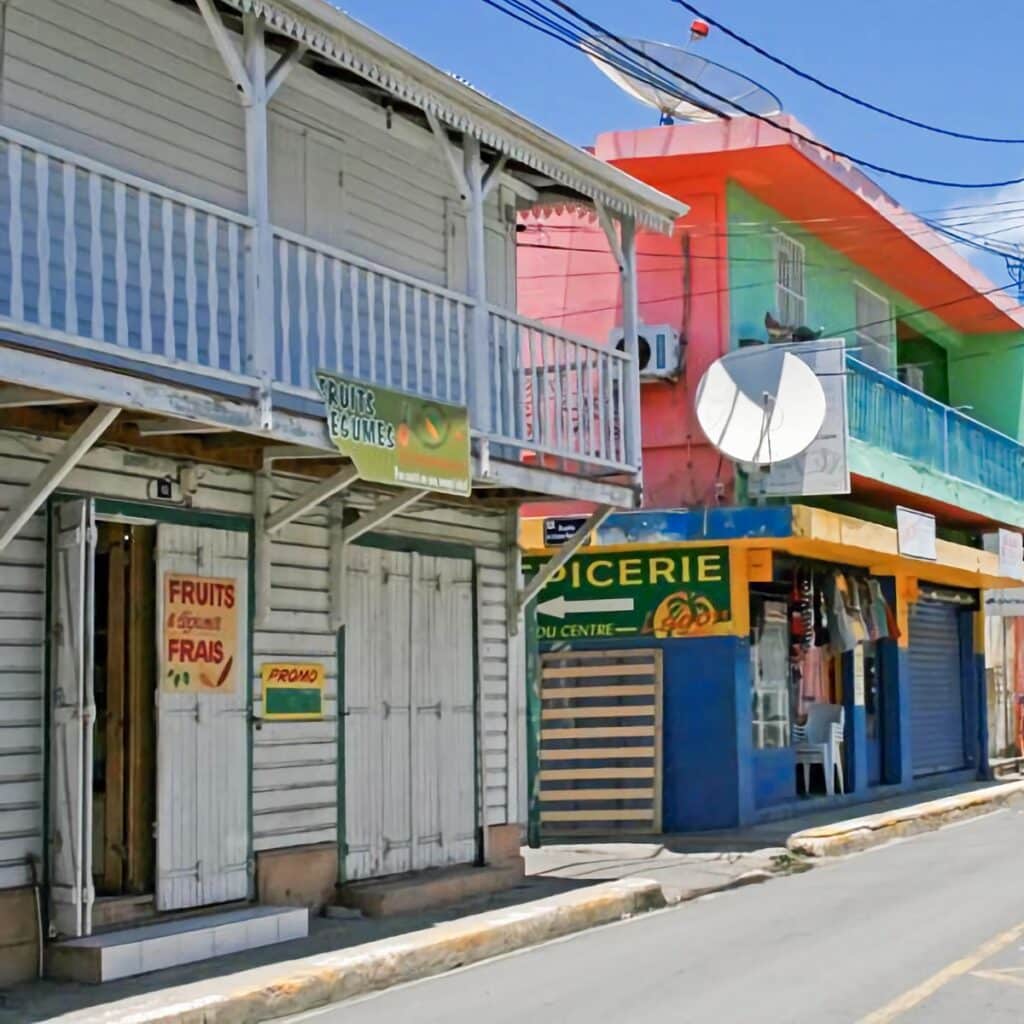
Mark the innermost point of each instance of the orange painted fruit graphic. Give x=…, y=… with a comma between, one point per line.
x=682, y=613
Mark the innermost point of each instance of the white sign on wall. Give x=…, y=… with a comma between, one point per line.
x=915, y=534
x=823, y=468
x=1005, y=603
x=1009, y=545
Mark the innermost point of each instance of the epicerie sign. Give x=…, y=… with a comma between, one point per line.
x=200, y=634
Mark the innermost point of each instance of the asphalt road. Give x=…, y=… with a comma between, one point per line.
x=927, y=930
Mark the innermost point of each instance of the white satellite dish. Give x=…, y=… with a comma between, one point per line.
x=674, y=96
x=760, y=406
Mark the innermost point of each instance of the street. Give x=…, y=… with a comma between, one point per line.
x=931, y=929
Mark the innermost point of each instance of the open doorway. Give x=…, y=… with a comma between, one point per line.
x=124, y=747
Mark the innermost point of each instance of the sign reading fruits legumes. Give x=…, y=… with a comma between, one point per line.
x=397, y=438
x=200, y=634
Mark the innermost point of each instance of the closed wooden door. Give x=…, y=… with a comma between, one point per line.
x=202, y=850
x=410, y=762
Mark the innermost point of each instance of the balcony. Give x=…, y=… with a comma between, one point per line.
x=101, y=266
x=891, y=417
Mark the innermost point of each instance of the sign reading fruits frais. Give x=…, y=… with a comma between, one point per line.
x=200, y=634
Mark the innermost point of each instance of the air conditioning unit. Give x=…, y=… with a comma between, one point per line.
x=661, y=355
x=912, y=376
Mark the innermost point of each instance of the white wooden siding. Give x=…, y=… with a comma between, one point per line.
x=22, y=622
x=134, y=83
x=294, y=763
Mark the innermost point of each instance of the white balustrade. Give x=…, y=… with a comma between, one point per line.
x=556, y=394
x=92, y=256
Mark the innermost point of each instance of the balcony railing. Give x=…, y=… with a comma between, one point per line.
x=889, y=415
x=107, y=262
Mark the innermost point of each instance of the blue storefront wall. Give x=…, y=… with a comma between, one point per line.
x=713, y=778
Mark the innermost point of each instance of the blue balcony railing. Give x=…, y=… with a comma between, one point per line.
x=887, y=414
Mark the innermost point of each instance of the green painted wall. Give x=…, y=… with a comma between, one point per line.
x=984, y=371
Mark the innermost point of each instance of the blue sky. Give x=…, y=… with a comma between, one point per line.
x=947, y=63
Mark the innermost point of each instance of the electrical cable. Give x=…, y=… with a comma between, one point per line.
x=571, y=38
x=866, y=104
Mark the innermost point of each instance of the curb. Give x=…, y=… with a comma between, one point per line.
x=859, y=834
x=300, y=985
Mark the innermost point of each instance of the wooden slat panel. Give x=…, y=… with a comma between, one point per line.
x=598, y=815
x=590, y=671
x=580, y=692
x=603, y=732
x=580, y=795
x=624, y=654
x=597, y=753
x=566, y=774
x=616, y=711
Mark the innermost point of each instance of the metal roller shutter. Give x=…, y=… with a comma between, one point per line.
x=936, y=695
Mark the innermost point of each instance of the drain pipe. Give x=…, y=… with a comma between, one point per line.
x=33, y=867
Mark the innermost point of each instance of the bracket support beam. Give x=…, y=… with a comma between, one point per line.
x=604, y=218
x=310, y=498
x=285, y=63
x=451, y=156
x=380, y=514
x=227, y=49
x=565, y=552
x=493, y=175
x=49, y=479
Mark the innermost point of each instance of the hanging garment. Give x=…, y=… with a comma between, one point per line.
x=813, y=683
x=846, y=627
x=864, y=602
x=820, y=607
x=879, y=610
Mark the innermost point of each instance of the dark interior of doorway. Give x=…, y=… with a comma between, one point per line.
x=124, y=750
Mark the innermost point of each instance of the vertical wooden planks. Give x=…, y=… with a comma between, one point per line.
x=14, y=168
x=114, y=726
x=371, y=323
x=121, y=261
x=167, y=226
x=234, y=298
x=191, y=287
x=43, y=236
x=145, y=275
x=339, y=318
x=353, y=277
x=284, y=309
x=70, y=250
x=213, y=290
x=96, y=253
x=403, y=335
x=321, y=313
x=386, y=308
x=302, y=268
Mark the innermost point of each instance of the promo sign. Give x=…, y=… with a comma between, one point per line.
x=293, y=692
x=399, y=439
x=200, y=634
x=683, y=593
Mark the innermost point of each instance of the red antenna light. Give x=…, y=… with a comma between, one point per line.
x=699, y=30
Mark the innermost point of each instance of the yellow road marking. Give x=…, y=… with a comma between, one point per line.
x=915, y=996
x=1008, y=976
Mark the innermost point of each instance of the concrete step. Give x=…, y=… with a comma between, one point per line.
x=152, y=947
x=424, y=890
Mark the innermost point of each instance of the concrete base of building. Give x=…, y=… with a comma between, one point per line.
x=424, y=890
x=19, y=936
x=303, y=876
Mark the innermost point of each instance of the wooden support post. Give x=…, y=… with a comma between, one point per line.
x=115, y=838
x=263, y=492
x=260, y=267
x=336, y=562
x=630, y=332
x=476, y=241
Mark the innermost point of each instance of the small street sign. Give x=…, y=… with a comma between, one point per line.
x=559, y=529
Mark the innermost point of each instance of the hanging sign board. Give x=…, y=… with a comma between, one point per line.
x=398, y=439
x=824, y=467
x=915, y=534
x=1009, y=546
x=612, y=595
x=199, y=643
x=293, y=692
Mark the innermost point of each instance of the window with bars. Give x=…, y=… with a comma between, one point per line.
x=875, y=333
x=790, y=299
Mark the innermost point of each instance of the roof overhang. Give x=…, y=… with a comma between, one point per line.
x=830, y=198
x=336, y=37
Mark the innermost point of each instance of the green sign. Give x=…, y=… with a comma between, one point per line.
x=399, y=439
x=666, y=593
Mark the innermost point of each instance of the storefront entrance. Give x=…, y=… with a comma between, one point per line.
x=410, y=711
x=149, y=795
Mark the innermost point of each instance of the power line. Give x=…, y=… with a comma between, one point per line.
x=866, y=104
x=569, y=35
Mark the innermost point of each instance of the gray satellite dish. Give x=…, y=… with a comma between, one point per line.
x=674, y=97
x=759, y=406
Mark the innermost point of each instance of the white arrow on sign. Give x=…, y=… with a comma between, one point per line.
x=558, y=607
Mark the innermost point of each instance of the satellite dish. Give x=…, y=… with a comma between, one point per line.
x=660, y=62
x=760, y=405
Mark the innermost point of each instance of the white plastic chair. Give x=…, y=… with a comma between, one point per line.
x=820, y=741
